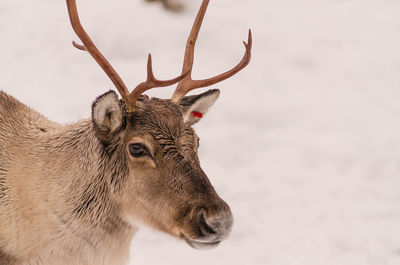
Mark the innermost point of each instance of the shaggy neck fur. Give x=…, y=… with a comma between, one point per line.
x=56, y=197
x=93, y=218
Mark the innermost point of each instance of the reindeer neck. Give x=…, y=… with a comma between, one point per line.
x=85, y=178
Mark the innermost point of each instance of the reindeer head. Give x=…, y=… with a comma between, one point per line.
x=153, y=147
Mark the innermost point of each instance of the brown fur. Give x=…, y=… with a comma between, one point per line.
x=74, y=195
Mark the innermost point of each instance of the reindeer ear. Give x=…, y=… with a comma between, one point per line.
x=196, y=106
x=107, y=113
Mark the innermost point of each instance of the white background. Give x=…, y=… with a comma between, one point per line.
x=304, y=144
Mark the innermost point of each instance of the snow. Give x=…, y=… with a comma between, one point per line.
x=304, y=144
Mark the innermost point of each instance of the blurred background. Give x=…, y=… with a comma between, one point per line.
x=304, y=144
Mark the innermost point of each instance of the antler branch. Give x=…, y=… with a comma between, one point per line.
x=187, y=84
x=152, y=82
x=79, y=46
x=94, y=52
x=88, y=45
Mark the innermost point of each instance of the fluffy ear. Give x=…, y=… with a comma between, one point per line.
x=196, y=106
x=107, y=113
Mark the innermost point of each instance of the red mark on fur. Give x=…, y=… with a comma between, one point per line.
x=197, y=114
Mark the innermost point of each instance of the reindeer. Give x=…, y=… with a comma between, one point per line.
x=77, y=194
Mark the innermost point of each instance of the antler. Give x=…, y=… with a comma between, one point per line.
x=88, y=45
x=187, y=84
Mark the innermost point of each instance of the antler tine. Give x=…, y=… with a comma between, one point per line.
x=151, y=82
x=187, y=84
x=89, y=46
x=79, y=46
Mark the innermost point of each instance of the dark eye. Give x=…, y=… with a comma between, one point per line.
x=138, y=150
x=198, y=142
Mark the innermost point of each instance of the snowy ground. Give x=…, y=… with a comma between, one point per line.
x=304, y=144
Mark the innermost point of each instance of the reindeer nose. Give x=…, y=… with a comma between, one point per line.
x=214, y=226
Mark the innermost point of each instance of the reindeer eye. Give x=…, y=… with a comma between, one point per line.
x=198, y=142
x=137, y=150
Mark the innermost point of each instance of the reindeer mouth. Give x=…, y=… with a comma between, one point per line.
x=200, y=244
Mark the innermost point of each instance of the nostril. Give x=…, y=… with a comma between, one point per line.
x=204, y=228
